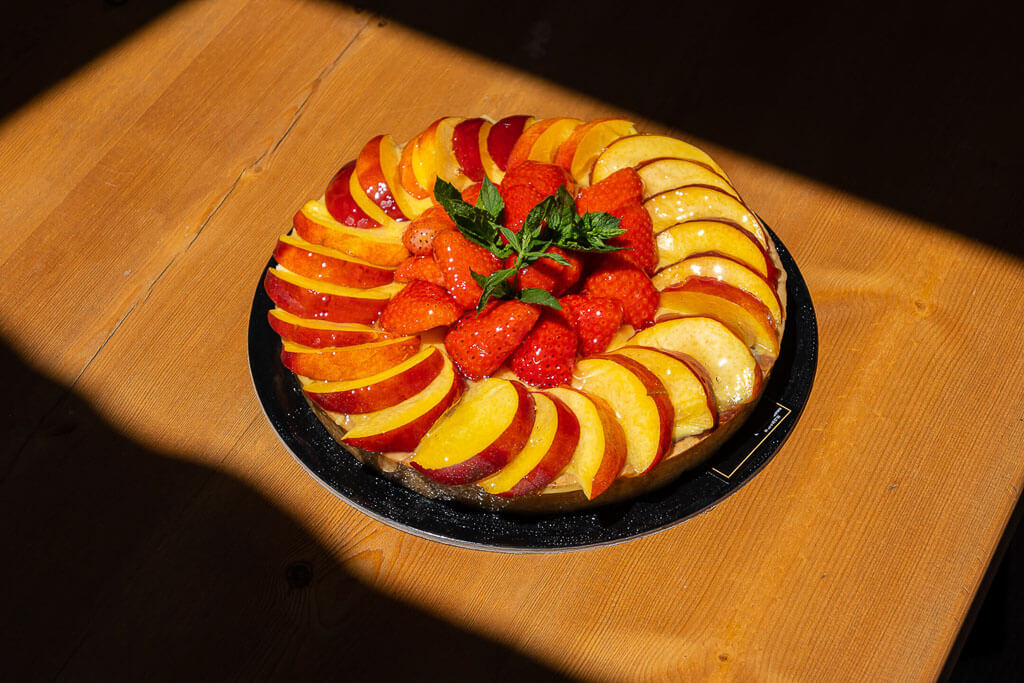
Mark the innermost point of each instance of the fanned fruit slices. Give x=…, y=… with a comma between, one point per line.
x=529, y=314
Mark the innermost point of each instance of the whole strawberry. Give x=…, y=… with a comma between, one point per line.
x=419, y=268
x=547, y=274
x=594, y=319
x=629, y=286
x=621, y=189
x=418, y=237
x=481, y=342
x=420, y=306
x=456, y=256
x=544, y=178
x=638, y=240
x=547, y=354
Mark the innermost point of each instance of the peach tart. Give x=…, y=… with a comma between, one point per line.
x=529, y=315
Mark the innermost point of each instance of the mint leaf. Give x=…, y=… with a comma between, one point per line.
x=476, y=224
x=534, y=295
x=490, y=200
x=557, y=258
x=495, y=285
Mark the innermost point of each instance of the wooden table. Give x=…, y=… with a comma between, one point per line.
x=155, y=526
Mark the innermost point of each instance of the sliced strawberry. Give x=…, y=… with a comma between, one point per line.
x=420, y=306
x=638, y=240
x=419, y=268
x=629, y=286
x=620, y=189
x=419, y=236
x=456, y=256
x=547, y=275
x=519, y=200
x=544, y=178
x=547, y=354
x=594, y=319
x=481, y=342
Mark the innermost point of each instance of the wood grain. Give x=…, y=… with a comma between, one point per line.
x=152, y=504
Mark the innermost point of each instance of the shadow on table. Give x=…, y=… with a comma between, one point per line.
x=122, y=563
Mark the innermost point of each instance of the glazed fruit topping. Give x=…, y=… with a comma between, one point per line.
x=547, y=354
x=419, y=307
x=595, y=320
x=481, y=341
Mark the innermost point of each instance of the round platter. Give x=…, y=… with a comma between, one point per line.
x=694, y=492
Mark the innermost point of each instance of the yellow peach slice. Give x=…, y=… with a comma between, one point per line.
x=699, y=202
x=601, y=451
x=683, y=240
x=726, y=270
x=659, y=175
x=633, y=150
x=381, y=246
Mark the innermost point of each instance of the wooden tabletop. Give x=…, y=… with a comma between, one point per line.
x=156, y=527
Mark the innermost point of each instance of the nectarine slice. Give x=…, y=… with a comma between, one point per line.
x=546, y=146
x=317, y=300
x=381, y=390
x=381, y=246
x=700, y=202
x=521, y=150
x=503, y=138
x=318, y=262
x=347, y=362
x=601, y=452
x=728, y=271
x=556, y=431
x=634, y=150
x=640, y=401
x=683, y=240
x=688, y=386
x=578, y=153
x=667, y=174
x=320, y=333
x=375, y=179
x=400, y=427
x=447, y=165
x=363, y=201
x=489, y=427
x=735, y=375
x=741, y=312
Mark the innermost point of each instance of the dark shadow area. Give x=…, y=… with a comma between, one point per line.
x=122, y=563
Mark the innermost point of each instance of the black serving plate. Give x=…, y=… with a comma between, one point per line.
x=695, y=491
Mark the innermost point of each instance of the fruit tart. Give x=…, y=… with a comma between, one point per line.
x=529, y=315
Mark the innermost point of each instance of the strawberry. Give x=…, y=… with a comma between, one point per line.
x=594, y=319
x=456, y=256
x=419, y=268
x=420, y=306
x=547, y=354
x=519, y=199
x=548, y=275
x=472, y=193
x=544, y=178
x=481, y=342
x=638, y=240
x=620, y=189
x=629, y=286
x=419, y=235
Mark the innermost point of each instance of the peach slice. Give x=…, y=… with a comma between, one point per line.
x=640, y=401
x=416, y=168
x=727, y=270
x=579, y=152
x=521, y=150
x=556, y=431
x=501, y=140
x=400, y=427
x=546, y=146
x=490, y=166
x=390, y=160
x=601, y=452
x=318, y=333
x=660, y=175
x=699, y=202
x=337, y=363
x=735, y=375
x=489, y=427
x=634, y=150
x=339, y=203
x=684, y=240
x=315, y=300
x=466, y=147
x=380, y=390
x=741, y=312
x=374, y=181
x=688, y=385
x=318, y=262
x=381, y=246
x=363, y=201
x=447, y=165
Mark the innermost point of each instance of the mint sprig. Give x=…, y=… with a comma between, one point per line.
x=554, y=222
